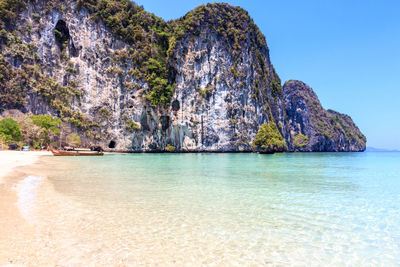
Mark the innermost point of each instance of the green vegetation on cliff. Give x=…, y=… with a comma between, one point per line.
x=331, y=131
x=269, y=138
x=12, y=85
x=239, y=32
x=153, y=40
x=9, y=10
x=16, y=83
x=300, y=141
x=140, y=60
x=28, y=78
x=132, y=126
x=148, y=35
x=344, y=124
x=232, y=23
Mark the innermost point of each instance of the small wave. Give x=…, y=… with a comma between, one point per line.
x=26, y=192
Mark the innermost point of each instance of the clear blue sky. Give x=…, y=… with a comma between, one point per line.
x=347, y=51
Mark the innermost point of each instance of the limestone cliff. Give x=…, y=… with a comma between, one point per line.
x=225, y=82
x=126, y=80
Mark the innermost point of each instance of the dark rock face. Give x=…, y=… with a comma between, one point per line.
x=312, y=128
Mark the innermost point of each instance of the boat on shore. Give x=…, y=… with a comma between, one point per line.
x=57, y=152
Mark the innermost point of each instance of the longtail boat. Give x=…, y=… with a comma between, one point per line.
x=57, y=152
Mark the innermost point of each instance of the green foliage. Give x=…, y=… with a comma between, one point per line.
x=105, y=112
x=152, y=44
x=59, y=97
x=132, y=126
x=235, y=72
x=170, y=148
x=73, y=84
x=206, y=92
x=341, y=123
x=32, y=134
x=153, y=40
x=9, y=10
x=161, y=92
x=300, y=141
x=47, y=122
x=148, y=34
x=73, y=139
x=115, y=70
x=71, y=70
x=337, y=129
x=232, y=23
x=239, y=32
x=9, y=130
x=12, y=84
x=234, y=121
x=36, y=17
x=3, y=139
x=269, y=138
x=276, y=88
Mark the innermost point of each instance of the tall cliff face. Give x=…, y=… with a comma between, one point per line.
x=83, y=71
x=224, y=81
x=127, y=80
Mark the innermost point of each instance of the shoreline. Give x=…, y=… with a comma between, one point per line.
x=223, y=152
x=13, y=160
x=16, y=195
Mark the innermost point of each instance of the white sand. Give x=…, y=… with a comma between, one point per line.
x=17, y=235
x=12, y=159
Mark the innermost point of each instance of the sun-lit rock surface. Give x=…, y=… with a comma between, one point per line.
x=126, y=80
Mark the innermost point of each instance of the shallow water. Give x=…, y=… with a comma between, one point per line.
x=331, y=209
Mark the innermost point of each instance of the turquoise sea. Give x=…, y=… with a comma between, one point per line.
x=298, y=209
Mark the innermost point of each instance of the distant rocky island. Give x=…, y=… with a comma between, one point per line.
x=125, y=79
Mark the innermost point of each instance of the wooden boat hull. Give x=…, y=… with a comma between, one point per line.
x=75, y=153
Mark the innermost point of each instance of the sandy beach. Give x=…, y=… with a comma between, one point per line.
x=14, y=229
x=13, y=159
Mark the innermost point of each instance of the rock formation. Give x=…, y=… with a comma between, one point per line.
x=126, y=80
x=312, y=128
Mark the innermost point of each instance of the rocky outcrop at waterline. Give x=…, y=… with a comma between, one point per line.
x=127, y=80
x=312, y=128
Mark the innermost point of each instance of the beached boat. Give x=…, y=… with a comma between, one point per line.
x=81, y=149
x=57, y=152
